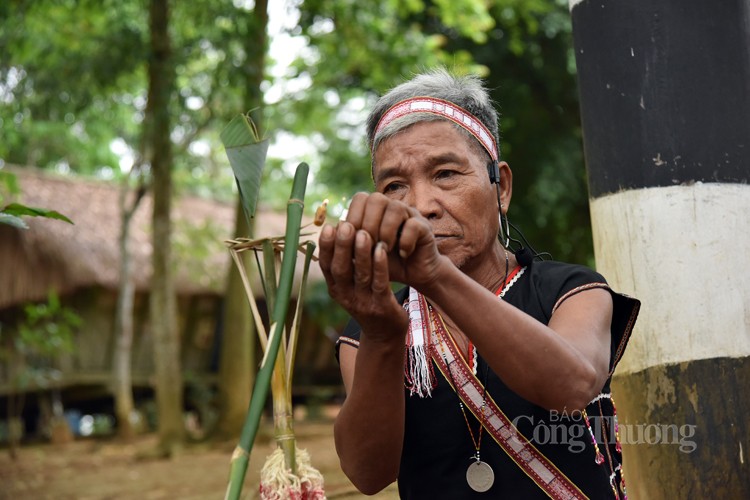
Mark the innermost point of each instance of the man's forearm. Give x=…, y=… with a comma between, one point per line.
x=369, y=429
x=554, y=369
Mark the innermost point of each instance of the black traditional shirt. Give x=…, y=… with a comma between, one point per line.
x=437, y=445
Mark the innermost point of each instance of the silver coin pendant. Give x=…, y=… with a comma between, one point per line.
x=480, y=476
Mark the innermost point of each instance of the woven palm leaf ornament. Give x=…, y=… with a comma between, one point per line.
x=287, y=472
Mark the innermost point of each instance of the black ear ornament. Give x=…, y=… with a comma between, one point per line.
x=524, y=253
x=493, y=169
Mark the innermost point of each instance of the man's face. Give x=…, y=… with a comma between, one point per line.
x=433, y=167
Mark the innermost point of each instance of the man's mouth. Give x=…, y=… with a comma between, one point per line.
x=443, y=237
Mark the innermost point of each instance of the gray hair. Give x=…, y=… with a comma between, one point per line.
x=467, y=92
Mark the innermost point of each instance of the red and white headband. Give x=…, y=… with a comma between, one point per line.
x=447, y=110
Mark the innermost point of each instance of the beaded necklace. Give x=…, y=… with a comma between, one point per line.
x=479, y=474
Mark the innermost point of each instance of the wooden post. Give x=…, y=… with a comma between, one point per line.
x=665, y=107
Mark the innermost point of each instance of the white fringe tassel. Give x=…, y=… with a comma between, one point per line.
x=278, y=483
x=420, y=377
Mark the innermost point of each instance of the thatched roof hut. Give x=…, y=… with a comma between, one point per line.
x=81, y=263
x=55, y=255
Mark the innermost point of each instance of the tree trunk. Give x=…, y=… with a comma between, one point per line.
x=236, y=371
x=121, y=365
x=236, y=374
x=169, y=397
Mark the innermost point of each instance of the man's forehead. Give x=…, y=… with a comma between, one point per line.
x=437, y=132
x=433, y=142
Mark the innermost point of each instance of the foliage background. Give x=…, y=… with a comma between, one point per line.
x=73, y=92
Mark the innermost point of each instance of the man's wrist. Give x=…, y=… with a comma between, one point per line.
x=445, y=273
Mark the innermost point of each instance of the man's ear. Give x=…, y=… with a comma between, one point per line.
x=506, y=185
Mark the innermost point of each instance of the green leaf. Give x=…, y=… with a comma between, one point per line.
x=241, y=131
x=12, y=220
x=247, y=156
x=17, y=209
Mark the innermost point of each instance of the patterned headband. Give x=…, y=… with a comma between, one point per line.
x=447, y=110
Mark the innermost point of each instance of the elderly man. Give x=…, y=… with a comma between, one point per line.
x=485, y=377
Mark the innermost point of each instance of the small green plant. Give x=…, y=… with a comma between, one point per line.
x=47, y=330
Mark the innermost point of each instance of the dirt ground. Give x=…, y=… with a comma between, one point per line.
x=89, y=469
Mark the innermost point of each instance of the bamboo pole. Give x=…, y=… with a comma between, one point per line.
x=241, y=455
x=283, y=421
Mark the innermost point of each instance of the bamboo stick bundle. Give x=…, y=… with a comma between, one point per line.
x=287, y=472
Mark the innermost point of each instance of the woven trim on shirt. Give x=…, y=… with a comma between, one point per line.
x=577, y=290
x=348, y=341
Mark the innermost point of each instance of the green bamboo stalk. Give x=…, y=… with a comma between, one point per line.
x=283, y=421
x=281, y=386
x=281, y=383
x=241, y=455
x=282, y=404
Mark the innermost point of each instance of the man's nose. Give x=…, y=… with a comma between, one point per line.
x=426, y=200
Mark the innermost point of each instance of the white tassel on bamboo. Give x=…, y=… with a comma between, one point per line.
x=277, y=482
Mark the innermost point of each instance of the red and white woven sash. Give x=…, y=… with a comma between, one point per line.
x=538, y=467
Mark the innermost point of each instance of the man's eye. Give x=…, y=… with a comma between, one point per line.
x=445, y=174
x=393, y=186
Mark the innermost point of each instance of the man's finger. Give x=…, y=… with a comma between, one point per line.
x=380, y=274
x=326, y=242
x=377, y=205
x=412, y=232
x=341, y=262
x=362, y=260
x=356, y=211
x=392, y=224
